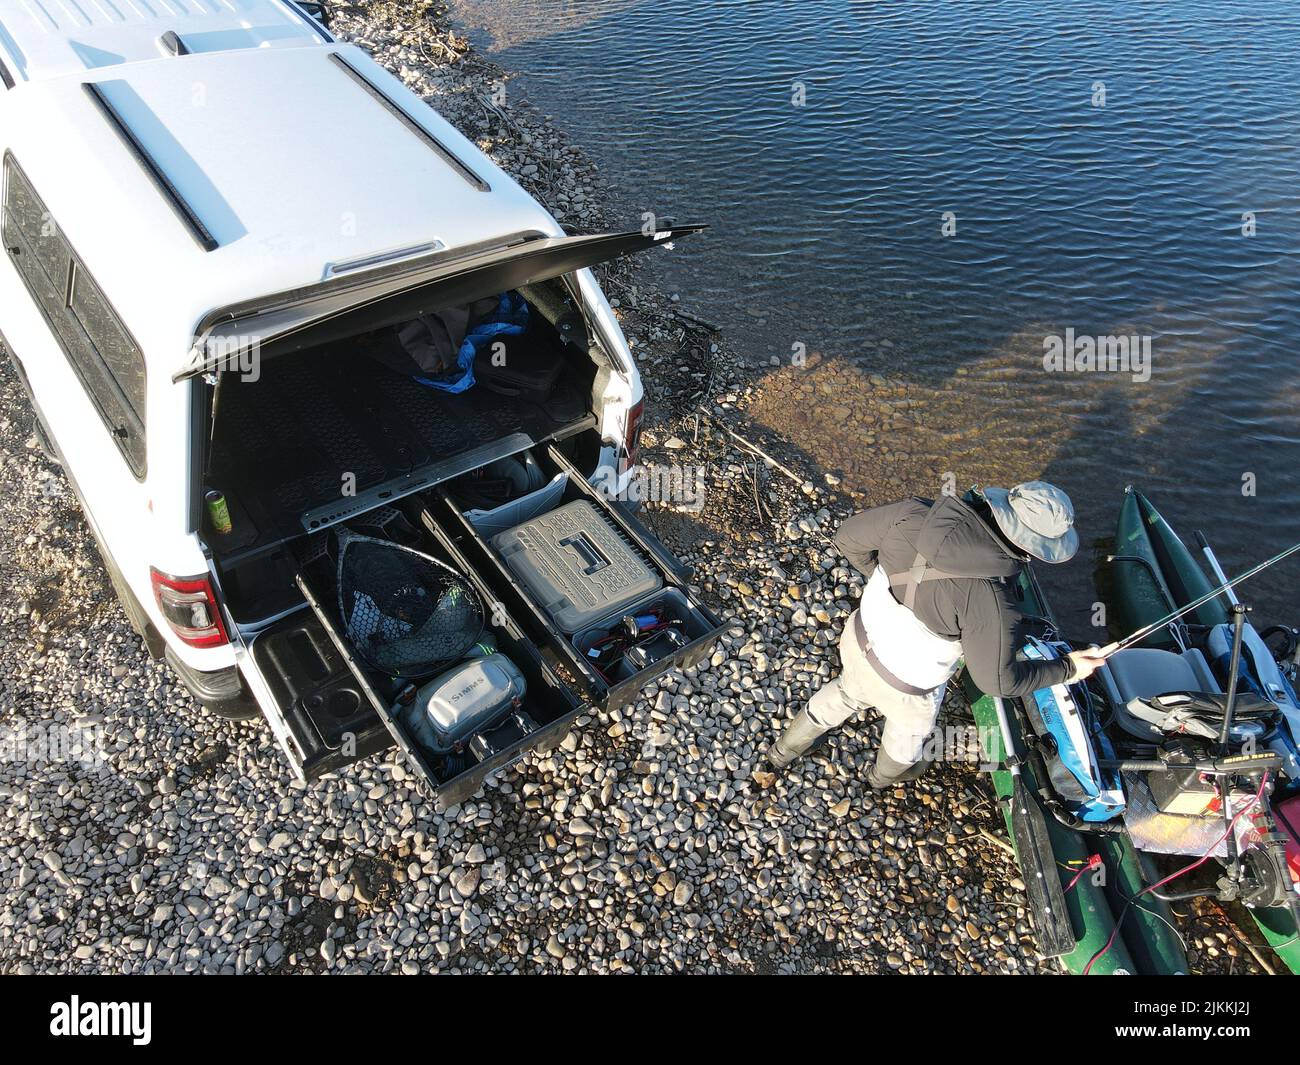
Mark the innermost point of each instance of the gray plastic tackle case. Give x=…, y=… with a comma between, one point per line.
x=577, y=565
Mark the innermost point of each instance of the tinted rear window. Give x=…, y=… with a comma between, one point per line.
x=97, y=345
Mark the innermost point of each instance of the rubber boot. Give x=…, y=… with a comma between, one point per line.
x=886, y=772
x=799, y=737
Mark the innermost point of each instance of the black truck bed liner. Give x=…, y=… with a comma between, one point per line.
x=285, y=443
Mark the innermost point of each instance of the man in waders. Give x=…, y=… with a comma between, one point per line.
x=939, y=584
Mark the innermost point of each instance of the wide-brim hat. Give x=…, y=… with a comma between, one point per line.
x=1037, y=517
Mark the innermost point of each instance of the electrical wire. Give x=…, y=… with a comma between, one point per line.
x=616, y=642
x=1133, y=900
x=1093, y=862
x=1087, y=969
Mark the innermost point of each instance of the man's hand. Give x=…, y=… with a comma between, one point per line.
x=1086, y=662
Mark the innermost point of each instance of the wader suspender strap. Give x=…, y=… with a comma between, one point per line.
x=921, y=571
x=864, y=641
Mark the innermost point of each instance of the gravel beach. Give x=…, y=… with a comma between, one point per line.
x=641, y=844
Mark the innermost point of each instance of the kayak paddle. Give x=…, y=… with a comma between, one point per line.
x=1052, y=926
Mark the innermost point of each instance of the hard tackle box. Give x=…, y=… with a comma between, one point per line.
x=577, y=565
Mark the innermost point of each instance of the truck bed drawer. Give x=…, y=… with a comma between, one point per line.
x=446, y=518
x=312, y=670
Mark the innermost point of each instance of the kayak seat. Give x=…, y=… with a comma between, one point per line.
x=1144, y=672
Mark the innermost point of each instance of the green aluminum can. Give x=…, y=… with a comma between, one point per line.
x=218, y=512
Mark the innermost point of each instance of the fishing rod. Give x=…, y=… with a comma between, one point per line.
x=1146, y=630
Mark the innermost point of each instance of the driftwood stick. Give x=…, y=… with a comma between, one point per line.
x=751, y=446
x=1241, y=937
x=756, y=450
x=998, y=841
x=1254, y=950
x=695, y=319
x=758, y=499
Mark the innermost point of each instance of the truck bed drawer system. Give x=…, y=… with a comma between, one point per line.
x=565, y=592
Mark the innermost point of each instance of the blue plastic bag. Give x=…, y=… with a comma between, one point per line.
x=509, y=319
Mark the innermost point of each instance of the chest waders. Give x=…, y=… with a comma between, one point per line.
x=805, y=732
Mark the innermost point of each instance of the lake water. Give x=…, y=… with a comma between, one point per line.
x=921, y=195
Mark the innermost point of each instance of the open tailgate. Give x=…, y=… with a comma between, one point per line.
x=349, y=305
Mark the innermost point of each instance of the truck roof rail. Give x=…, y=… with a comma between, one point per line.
x=392, y=107
x=150, y=165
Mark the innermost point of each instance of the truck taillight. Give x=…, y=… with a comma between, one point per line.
x=190, y=607
x=632, y=438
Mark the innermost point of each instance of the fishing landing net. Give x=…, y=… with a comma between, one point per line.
x=404, y=612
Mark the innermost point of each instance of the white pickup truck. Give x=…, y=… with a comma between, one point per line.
x=217, y=221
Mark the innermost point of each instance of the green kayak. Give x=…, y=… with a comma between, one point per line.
x=1093, y=784
x=1154, y=573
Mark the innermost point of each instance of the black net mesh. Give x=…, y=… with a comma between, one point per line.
x=404, y=612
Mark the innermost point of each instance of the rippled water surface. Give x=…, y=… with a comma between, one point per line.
x=1113, y=216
